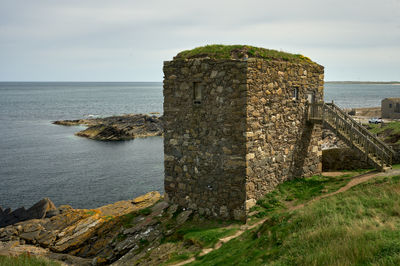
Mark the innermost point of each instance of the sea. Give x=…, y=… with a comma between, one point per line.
x=39, y=159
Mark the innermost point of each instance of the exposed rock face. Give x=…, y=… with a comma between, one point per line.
x=123, y=233
x=234, y=129
x=15, y=248
x=40, y=210
x=123, y=127
x=77, y=232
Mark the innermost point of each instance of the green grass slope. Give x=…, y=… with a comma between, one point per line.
x=358, y=227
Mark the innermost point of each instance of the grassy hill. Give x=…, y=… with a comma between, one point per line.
x=358, y=227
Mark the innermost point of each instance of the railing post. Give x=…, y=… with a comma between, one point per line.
x=351, y=134
x=337, y=121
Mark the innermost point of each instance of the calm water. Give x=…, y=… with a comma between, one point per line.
x=360, y=95
x=38, y=159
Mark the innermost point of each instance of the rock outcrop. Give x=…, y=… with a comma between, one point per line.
x=77, y=232
x=124, y=233
x=43, y=208
x=124, y=127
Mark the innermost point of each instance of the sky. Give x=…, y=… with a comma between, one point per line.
x=104, y=40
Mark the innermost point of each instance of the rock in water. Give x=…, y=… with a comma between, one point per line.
x=37, y=211
x=124, y=127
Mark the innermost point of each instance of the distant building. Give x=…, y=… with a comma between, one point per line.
x=391, y=108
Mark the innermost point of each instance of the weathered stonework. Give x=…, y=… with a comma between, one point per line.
x=343, y=159
x=234, y=129
x=280, y=143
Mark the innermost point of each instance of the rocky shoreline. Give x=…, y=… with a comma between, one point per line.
x=113, y=128
x=124, y=233
x=81, y=236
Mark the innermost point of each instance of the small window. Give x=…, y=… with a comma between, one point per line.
x=390, y=105
x=198, y=93
x=295, y=94
x=311, y=97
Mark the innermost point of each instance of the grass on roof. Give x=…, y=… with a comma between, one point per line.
x=218, y=51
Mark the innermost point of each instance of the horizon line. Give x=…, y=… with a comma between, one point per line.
x=100, y=81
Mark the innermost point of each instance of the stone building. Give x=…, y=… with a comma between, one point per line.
x=236, y=126
x=390, y=108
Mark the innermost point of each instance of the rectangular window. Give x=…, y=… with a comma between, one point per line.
x=390, y=105
x=198, y=93
x=295, y=93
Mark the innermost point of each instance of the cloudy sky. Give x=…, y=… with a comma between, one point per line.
x=104, y=40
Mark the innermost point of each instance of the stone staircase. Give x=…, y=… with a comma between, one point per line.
x=376, y=152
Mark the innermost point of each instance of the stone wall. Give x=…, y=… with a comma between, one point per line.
x=242, y=136
x=343, y=159
x=281, y=144
x=204, y=143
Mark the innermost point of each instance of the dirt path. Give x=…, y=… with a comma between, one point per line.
x=354, y=182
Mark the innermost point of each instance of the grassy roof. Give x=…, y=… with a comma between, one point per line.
x=218, y=51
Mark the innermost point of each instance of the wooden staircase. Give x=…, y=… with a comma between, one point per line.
x=376, y=152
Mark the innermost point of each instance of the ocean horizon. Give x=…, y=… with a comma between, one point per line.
x=39, y=159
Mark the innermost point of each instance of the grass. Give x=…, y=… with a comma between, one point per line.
x=203, y=234
x=209, y=237
x=389, y=132
x=127, y=219
x=358, y=227
x=26, y=260
x=91, y=213
x=206, y=234
x=299, y=191
x=396, y=166
x=178, y=256
x=218, y=51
